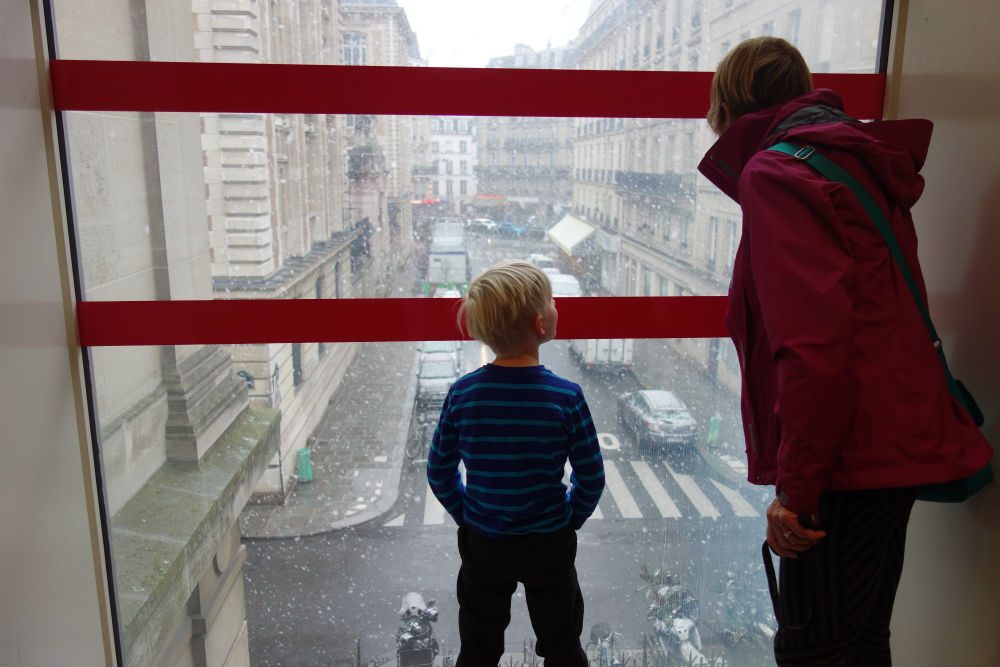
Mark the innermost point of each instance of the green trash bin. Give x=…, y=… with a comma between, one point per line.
x=305, y=464
x=713, y=430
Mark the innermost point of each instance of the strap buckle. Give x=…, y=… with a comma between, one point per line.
x=804, y=153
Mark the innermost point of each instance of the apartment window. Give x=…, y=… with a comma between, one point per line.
x=794, y=20
x=767, y=29
x=434, y=147
x=463, y=187
x=447, y=166
x=355, y=49
x=686, y=235
x=463, y=167
x=463, y=146
x=449, y=188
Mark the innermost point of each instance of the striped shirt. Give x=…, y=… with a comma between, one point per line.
x=514, y=429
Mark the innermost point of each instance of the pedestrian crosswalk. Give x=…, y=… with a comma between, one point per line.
x=635, y=489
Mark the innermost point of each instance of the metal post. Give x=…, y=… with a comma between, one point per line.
x=359, y=652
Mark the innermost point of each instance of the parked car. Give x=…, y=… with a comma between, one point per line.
x=481, y=225
x=656, y=418
x=508, y=228
x=608, y=354
x=565, y=285
x=452, y=348
x=437, y=372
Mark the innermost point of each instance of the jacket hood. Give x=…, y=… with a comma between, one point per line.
x=894, y=151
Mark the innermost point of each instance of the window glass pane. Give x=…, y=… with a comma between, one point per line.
x=325, y=441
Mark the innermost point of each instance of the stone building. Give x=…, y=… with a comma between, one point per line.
x=454, y=152
x=528, y=161
x=661, y=229
x=377, y=32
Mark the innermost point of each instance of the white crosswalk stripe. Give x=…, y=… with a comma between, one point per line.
x=694, y=494
x=626, y=495
x=656, y=491
x=619, y=492
x=739, y=503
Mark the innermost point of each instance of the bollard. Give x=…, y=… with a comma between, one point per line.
x=305, y=465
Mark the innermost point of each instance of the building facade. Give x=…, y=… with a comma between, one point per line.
x=662, y=229
x=525, y=164
x=454, y=154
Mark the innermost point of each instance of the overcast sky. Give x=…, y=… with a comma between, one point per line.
x=467, y=33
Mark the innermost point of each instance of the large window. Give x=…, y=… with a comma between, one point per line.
x=355, y=49
x=281, y=480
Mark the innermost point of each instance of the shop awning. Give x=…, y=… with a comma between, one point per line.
x=569, y=233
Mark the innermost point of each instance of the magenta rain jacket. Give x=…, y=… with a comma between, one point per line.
x=842, y=388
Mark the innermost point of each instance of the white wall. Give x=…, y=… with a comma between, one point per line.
x=50, y=605
x=948, y=607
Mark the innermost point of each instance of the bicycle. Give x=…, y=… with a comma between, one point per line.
x=416, y=447
x=602, y=637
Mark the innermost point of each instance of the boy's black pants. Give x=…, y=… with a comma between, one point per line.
x=835, y=600
x=491, y=567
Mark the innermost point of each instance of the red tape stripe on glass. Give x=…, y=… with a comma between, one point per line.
x=110, y=323
x=95, y=85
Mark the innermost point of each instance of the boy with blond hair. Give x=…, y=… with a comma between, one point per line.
x=514, y=425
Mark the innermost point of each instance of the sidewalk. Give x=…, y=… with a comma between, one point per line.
x=357, y=454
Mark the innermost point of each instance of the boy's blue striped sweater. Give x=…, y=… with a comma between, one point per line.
x=515, y=428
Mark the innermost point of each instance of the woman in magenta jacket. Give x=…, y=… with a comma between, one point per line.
x=845, y=404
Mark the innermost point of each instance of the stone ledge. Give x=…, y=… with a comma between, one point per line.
x=165, y=537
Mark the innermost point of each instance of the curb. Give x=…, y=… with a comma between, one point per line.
x=386, y=502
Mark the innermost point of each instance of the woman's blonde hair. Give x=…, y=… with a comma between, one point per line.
x=758, y=73
x=502, y=303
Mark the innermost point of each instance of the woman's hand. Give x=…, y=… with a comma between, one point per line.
x=786, y=536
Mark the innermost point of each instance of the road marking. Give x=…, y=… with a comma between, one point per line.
x=433, y=510
x=609, y=441
x=616, y=485
x=395, y=523
x=655, y=490
x=737, y=465
x=739, y=503
x=694, y=494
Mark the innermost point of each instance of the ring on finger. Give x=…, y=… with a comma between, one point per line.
x=787, y=534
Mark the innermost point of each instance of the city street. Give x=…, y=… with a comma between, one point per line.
x=320, y=600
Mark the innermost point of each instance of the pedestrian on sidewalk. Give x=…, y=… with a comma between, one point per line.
x=845, y=403
x=514, y=424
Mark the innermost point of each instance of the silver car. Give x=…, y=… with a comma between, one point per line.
x=657, y=418
x=450, y=347
x=437, y=372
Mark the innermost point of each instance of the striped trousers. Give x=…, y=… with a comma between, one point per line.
x=834, y=602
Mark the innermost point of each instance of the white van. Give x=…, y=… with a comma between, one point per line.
x=609, y=354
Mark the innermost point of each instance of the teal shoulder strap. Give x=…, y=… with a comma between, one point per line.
x=835, y=172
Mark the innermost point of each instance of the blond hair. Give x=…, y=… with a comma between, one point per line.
x=758, y=73
x=502, y=303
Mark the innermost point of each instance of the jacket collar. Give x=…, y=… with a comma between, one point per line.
x=724, y=161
